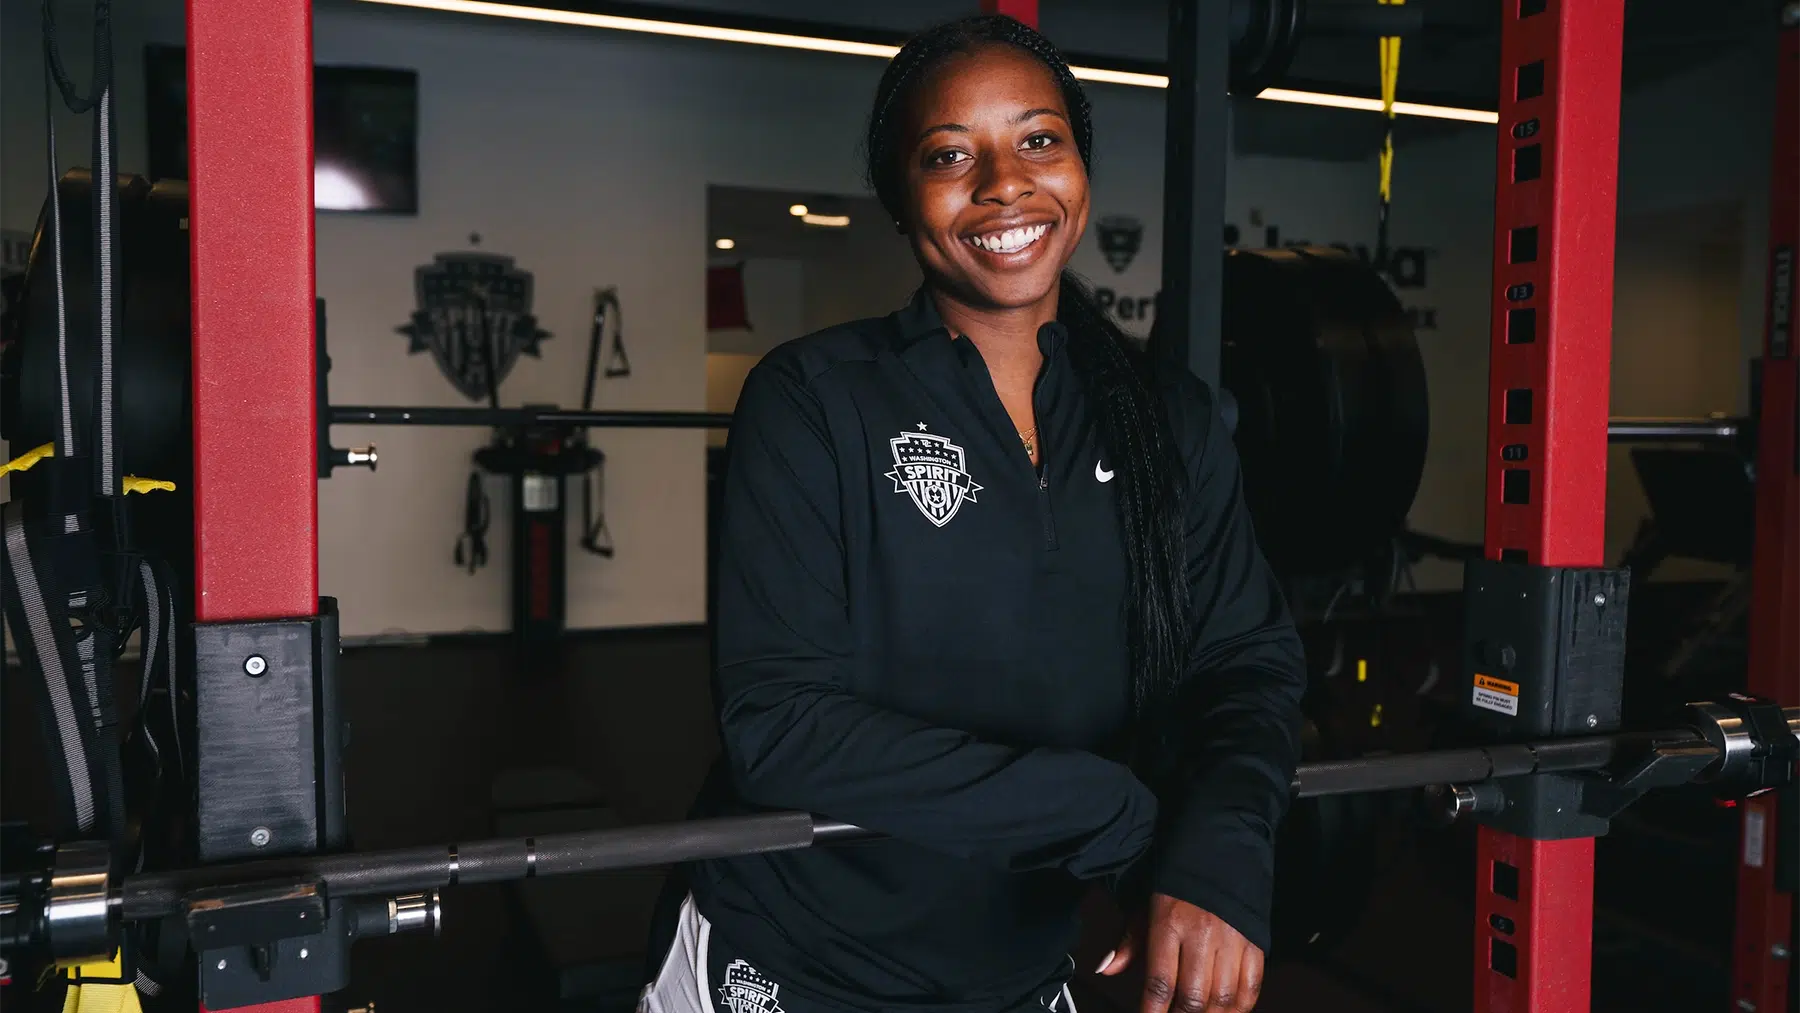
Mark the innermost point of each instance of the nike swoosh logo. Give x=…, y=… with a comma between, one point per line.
x=1101, y=474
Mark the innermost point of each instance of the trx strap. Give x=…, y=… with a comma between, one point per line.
x=72, y=589
x=159, y=661
x=101, y=987
x=100, y=102
x=56, y=572
x=606, y=307
x=39, y=620
x=471, y=545
x=595, y=538
x=1390, y=77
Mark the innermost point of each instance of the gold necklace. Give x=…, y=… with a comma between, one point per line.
x=1029, y=438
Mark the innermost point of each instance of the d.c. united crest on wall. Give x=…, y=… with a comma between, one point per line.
x=1120, y=238
x=474, y=315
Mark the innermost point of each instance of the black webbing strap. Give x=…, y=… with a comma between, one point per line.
x=69, y=613
x=157, y=583
x=102, y=447
x=158, y=949
x=37, y=614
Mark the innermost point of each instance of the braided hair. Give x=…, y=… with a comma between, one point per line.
x=1115, y=375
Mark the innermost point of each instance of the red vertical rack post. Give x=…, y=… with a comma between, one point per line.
x=251, y=233
x=1024, y=10
x=1764, y=953
x=1550, y=357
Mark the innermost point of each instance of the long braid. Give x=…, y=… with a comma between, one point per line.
x=1115, y=374
x=1134, y=428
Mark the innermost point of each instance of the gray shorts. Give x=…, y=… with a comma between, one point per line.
x=697, y=979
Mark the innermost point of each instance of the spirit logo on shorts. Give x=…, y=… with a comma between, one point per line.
x=747, y=990
x=933, y=471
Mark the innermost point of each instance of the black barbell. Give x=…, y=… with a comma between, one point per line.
x=67, y=894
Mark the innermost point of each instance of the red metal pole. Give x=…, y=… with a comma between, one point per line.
x=1024, y=10
x=1766, y=938
x=1550, y=356
x=251, y=230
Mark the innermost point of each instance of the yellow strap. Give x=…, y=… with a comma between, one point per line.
x=107, y=995
x=136, y=484
x=1390, y=78
x=24, y=461
x=132, y=483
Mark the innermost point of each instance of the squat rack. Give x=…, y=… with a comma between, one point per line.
x=250, y=84
x=1765, y=966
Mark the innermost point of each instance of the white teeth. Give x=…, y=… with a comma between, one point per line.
x=1010, y=241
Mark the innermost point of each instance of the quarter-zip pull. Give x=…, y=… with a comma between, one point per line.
x=1044, y=511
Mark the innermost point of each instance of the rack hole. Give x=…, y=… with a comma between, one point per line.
x=1521, y=326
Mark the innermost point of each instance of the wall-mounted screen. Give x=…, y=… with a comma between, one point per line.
x=365, y=132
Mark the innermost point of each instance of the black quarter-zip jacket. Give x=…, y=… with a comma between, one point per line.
x=921, y=633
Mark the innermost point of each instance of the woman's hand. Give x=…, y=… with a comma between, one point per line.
x=1196, y=962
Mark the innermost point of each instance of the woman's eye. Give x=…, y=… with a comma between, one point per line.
x=947, y=157
x=1038, y=142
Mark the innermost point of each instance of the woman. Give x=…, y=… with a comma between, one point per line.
x=988, y=588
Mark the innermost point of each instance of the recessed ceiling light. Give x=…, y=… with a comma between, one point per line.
x=829, y=221
x=724, y=244
x=797, y=210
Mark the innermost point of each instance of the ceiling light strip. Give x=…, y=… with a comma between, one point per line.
x=1373, y=105
x=783, y=40
x=648, y=26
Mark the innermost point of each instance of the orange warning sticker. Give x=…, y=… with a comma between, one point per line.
x=1496, y=695
x=1497, y=685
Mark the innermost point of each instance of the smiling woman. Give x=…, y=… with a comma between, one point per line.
x=986, y=585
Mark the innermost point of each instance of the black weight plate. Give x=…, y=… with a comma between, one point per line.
x=151, y=345
x=1324, y=864
x=1333, y=413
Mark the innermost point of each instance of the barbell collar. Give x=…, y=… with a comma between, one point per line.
x=1454, y=801
x=77, y=903
x=1728, y=733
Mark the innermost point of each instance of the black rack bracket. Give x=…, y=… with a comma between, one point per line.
x=270, y=784
x=1544, y=657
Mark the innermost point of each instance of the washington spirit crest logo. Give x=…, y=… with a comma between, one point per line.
x=747, y=990
x=933, y=471
x=474, y=310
